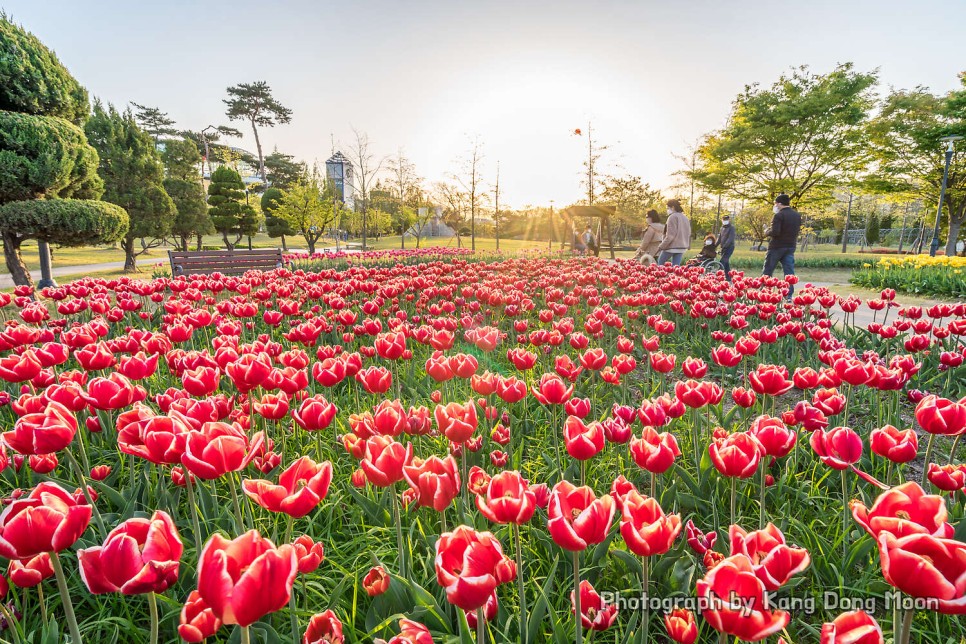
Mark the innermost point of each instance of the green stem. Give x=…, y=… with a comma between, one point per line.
x=734, y=485
x=65, y=599
x=925, y=462
x=396, y=504
x=195, y=523
x=520, y=585
x=153, y=608
x=761, y=499
x=239, y=520
x=845, y=519
x=43, y=607
x=245, y=637
x=579, y=636
x=645, y=583
x=952, y=452
x=904, y=635
x=13, y=624
x=480, y=626
x=293, y=617
x=87, y=493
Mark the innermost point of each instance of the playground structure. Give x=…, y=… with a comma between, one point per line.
x=575, y=214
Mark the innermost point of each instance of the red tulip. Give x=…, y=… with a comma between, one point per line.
x=158, y=439
x=20, y=367
x=577, y=518
x=376, y=581
x=44, y=432
x=770, y=380
x=315, y=413
x=138, y=366
x=583, y=441
x=470, y=565
x=725, y=356
x=681, y=626
x=113, y=392
x=594, y=613
x=662, y=362
x=736, y=455
x=219, y=448
x=139, y=556
x=390, y=346
x=324, y=628
x=776, y=439
x=329, y=372
x=455, y=421
x=902, y=511
x=552, y=390
x=507, y=499
x=435, y=481
x=198, y=621
x=521, y=358
x=46, y=520
x=272, y=406
x=925, y=566
x=646, y=530
x=743, y=397
x=694, y=367
x=652, y=414
x=853, y=371
x=734, y=601
x=655, y=452
x=699, y=541
x=856, y=627
x=69, y=394
x=301, y=487
x=490, y=609
x=95, y=356
x=941, y=416
x=511, y=390
x=384, y=459
x=948, y=478
x=806, y=378
x=893, y=444
x=246, y=578
x=375, y=380
x=838, y=448
x=411, y=632
x=696, y=394
x=309, y=554
x=29, y=573
x=773, y=561
x=250, y=371
x=829, y=401
x=579, y=407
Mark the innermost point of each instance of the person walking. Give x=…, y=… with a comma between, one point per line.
x=677, y=235
x=726, y=242
x=590, y=242
x=783, y=237
x=647, y=252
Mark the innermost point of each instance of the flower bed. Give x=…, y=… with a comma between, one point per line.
x=434, y=449
x=920, y=274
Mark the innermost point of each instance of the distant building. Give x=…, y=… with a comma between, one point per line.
x=338, y=170
x=247, y=171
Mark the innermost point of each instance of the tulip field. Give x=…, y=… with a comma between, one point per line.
x=434, y=446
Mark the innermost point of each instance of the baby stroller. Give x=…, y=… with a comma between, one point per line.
x=708, y=257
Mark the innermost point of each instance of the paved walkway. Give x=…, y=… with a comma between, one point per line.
x=6, y=281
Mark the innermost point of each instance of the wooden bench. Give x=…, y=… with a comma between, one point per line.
x=229, y=262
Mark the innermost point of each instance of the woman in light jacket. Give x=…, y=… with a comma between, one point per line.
x=647, y=251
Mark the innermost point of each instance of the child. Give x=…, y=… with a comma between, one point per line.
x=708, y=252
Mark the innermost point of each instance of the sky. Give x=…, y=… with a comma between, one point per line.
x=427, y=77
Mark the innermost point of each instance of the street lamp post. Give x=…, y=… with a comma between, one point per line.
x=951, y=140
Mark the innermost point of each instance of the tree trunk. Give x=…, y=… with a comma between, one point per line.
x=261, y=161
x=228, y=244
x=284, y=247
x=198, y=245
x=310, y=241
x=15, y=266
x=954, y=226
x=130, y=261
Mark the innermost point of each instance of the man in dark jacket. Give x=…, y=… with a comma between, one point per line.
x=726, y=242
x=783, y=237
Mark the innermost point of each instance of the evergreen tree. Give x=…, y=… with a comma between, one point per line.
x=274, y=226
x=253, y=102
x=133, y=174
x=183, y=184
x=230, y=214
x=154, y=121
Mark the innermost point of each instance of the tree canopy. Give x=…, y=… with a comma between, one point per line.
x=183, y=184
x=254, y=102
x=309, y=208
x=804, y=136
x=67, y=222
x=229, y=213
x=153, y=121
x=131, y=168
x=33, y=80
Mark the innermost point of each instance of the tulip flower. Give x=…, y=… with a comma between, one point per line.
x=856, y=627
x=941, y=416
x=139, y=556
x=246, y=578
x=375, y=380
x=489, y=611
x=410, y=632
x=455, y=421
x=376, y=581
x=198, y=621
x=775, y=438
x=583, y=441
x=838, y=448
x=699, y=541
x=948, y=478
x=734, y=601
x=250, y=371
x=552, y=390
x=646, y=530
x=773, y=561
x=30, y=572
x=309, y=554
x=770, y=380
x=902, y=511
x=219, y=448
x=46, y=520
x=315, y=413
x=434, y=480
x=44, y=432
x=577, y=518
x=507, y=499
x=928, y=567
x=511, y=390
x=384, y=459
x=301, y=487
x=113, y=392
x=470, y=565
x=681, y=626
x=654, y=452
x=736, y=455
x=893, y=444
x=594, y=613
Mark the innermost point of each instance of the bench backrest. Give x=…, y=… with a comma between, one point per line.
x=229, y=262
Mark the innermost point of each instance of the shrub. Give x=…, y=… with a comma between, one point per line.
x=67, y=222
x=921, y=274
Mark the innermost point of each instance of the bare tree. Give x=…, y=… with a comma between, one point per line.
x=589, y=180
x=454, y=203
x=472, y=183
x=496, y=207
x=405, y=184
x=366, y=166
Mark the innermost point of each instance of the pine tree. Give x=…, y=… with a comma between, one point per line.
x=229, y=213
